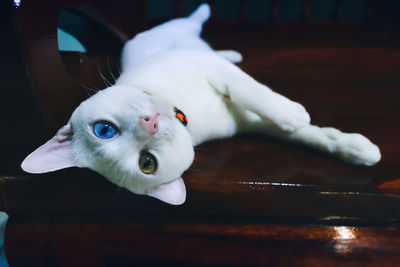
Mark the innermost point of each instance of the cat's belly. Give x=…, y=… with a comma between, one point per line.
x=182, y=82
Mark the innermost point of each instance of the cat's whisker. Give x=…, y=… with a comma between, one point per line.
x=119, y=187
x=89, y=85
x=116, y=193
x=121, y=184
x=125, y=191
x=119, y=70
x=88, y=89
x=126, y=200
x=118, y=190
x=106, y=82
x=111, y=73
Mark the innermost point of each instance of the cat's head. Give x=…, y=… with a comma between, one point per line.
x=126, y=135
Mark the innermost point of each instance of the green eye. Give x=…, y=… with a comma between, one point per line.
x=147, y=163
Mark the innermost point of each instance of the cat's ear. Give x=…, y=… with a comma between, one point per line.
x=54, y=155
x=173, y=192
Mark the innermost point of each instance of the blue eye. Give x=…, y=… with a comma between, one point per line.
x=104, y=130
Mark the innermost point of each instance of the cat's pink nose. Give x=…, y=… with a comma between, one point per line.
x=149, y=124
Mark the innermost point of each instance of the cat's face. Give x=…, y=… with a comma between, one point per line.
x=127, y=136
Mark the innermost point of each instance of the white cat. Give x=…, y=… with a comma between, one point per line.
x=174, y=93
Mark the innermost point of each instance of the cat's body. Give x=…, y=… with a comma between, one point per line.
x=208, y=113
x=130, y=134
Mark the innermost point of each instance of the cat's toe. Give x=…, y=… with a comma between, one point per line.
x=358, y=149
x=231, y=55
x=332, y=133
x=294, y=117
x=301, y=114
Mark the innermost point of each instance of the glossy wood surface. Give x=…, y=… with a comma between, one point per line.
x=251, y=199
x=165, y=242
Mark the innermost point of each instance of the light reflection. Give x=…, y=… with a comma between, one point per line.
x=344, y=239
x=344, y=233
x=17, y=3
x=273, y=184
x=338, y=193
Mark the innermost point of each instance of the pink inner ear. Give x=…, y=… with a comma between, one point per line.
x=173, y=192
x=54, y=155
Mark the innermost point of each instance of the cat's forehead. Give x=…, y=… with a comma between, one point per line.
x=116, y=100
x=119, y=94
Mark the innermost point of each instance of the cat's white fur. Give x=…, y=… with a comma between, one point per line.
x=169, y=66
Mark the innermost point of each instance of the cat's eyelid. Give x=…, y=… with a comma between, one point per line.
x=112, y=123
x=149, y=150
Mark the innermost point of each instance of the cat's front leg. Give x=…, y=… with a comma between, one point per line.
x=249, y=94
x=350, y=147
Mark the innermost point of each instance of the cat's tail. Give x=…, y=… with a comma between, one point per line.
x=201, y=14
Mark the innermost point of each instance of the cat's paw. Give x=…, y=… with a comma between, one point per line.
x=358, y=149
x=291, y=116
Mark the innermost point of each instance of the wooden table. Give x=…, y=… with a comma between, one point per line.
x=251, y=199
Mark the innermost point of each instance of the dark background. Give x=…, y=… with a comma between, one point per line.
x=289, y=10
x=346, y=74
x=18, y=112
